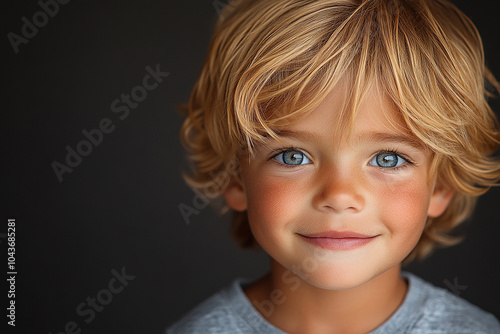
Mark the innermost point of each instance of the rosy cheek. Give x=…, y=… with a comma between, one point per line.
x=270, y=199
x=273, y=203
x=405, y=209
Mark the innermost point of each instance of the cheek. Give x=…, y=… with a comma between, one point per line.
x=404, y=210
x=270, y=200
x=273, y=203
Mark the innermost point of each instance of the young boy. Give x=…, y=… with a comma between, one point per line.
x=362, y=136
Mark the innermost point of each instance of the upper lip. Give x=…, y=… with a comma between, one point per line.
x=338, y=235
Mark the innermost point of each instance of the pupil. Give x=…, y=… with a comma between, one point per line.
x=293, y=158
x=387, y=160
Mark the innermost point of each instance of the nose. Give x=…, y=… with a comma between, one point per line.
x=339, y=191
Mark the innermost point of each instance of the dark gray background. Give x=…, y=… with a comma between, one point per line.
x=119, y=207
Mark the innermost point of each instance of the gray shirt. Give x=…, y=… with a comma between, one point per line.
x=426, y=309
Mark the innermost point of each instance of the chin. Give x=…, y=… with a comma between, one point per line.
x=340, y=276
x=337, y=280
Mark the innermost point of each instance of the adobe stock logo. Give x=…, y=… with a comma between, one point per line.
x=211, y=190
x=40, y=19
x=89, y=308
x=120, y=106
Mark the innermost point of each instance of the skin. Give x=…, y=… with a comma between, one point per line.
x=338, y=186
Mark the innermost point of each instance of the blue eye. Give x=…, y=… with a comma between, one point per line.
x=387, y=160
x=292, y=158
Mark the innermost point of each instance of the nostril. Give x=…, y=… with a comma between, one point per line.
x=339, y=202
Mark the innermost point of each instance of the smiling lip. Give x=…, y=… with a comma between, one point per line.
x=333, y=240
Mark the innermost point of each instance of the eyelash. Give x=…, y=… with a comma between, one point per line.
x=277, y=152
x=409, y=162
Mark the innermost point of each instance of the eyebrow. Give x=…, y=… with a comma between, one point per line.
x=308, y=136
x=378, y=137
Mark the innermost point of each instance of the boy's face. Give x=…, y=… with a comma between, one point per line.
x=303, y=191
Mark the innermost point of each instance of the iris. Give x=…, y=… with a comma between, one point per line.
x=292, y=157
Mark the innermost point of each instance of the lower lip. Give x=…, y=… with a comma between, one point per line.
x=338, y=243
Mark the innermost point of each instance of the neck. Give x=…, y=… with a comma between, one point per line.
x=295, y=306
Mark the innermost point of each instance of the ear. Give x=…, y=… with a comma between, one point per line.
x=440, y=199
x=235, y=195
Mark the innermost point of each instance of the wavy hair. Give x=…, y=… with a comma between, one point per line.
x=271, y=60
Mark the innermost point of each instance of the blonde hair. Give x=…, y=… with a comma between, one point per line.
x=271, y=60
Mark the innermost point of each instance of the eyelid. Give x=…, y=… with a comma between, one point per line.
x=396, y=152
x=277, y=152
x=408, y=161
x=404, y=156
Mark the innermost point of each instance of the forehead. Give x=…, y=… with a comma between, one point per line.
x=342, y=117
